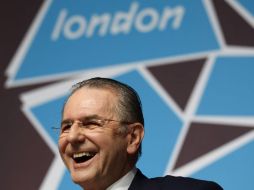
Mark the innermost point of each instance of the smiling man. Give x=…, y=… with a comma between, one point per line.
x=100, y=140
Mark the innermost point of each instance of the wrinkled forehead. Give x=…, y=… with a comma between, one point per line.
x=93, y=99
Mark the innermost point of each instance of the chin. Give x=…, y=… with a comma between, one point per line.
x=82, y=178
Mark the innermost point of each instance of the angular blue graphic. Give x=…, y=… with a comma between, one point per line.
x=67, y=184
x=93, y=34
x=161, y=129
x=248, y=5
x=235, y=171
x=229, y=91
x=49, y=116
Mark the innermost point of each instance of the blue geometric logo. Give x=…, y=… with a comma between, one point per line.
x=123, y=40
x=96, y=34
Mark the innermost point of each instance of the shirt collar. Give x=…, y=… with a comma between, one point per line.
x=124, y=182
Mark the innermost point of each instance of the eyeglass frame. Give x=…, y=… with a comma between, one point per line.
x=94, y=121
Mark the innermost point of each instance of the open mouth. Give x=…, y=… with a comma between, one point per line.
x=83, y=156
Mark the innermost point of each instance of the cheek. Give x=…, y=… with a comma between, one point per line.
x=114, y=145
x=62, y=144
x=100, y=138
x=105, y=142
x=62, y=151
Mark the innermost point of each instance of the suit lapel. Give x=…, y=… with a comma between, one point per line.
x=140, y=182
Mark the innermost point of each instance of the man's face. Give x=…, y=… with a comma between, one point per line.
x=95, y=157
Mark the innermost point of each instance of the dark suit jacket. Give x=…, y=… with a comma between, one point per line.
x=141, y=182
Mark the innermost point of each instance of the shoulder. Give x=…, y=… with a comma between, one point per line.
x=141, y=182
x=185, y=183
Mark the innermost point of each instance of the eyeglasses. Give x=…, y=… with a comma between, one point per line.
x=90, y=124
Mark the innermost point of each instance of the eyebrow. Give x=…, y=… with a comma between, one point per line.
x=94, y=116
x=65, y=122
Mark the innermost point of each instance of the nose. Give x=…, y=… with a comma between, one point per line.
x=75, y=135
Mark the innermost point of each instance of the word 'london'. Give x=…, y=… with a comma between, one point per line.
x=144, y=20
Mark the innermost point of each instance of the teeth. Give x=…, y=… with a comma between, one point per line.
x=78, y=155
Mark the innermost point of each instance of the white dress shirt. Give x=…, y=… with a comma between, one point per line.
x=124, y=182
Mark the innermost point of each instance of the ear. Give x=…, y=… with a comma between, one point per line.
x=135, y=137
